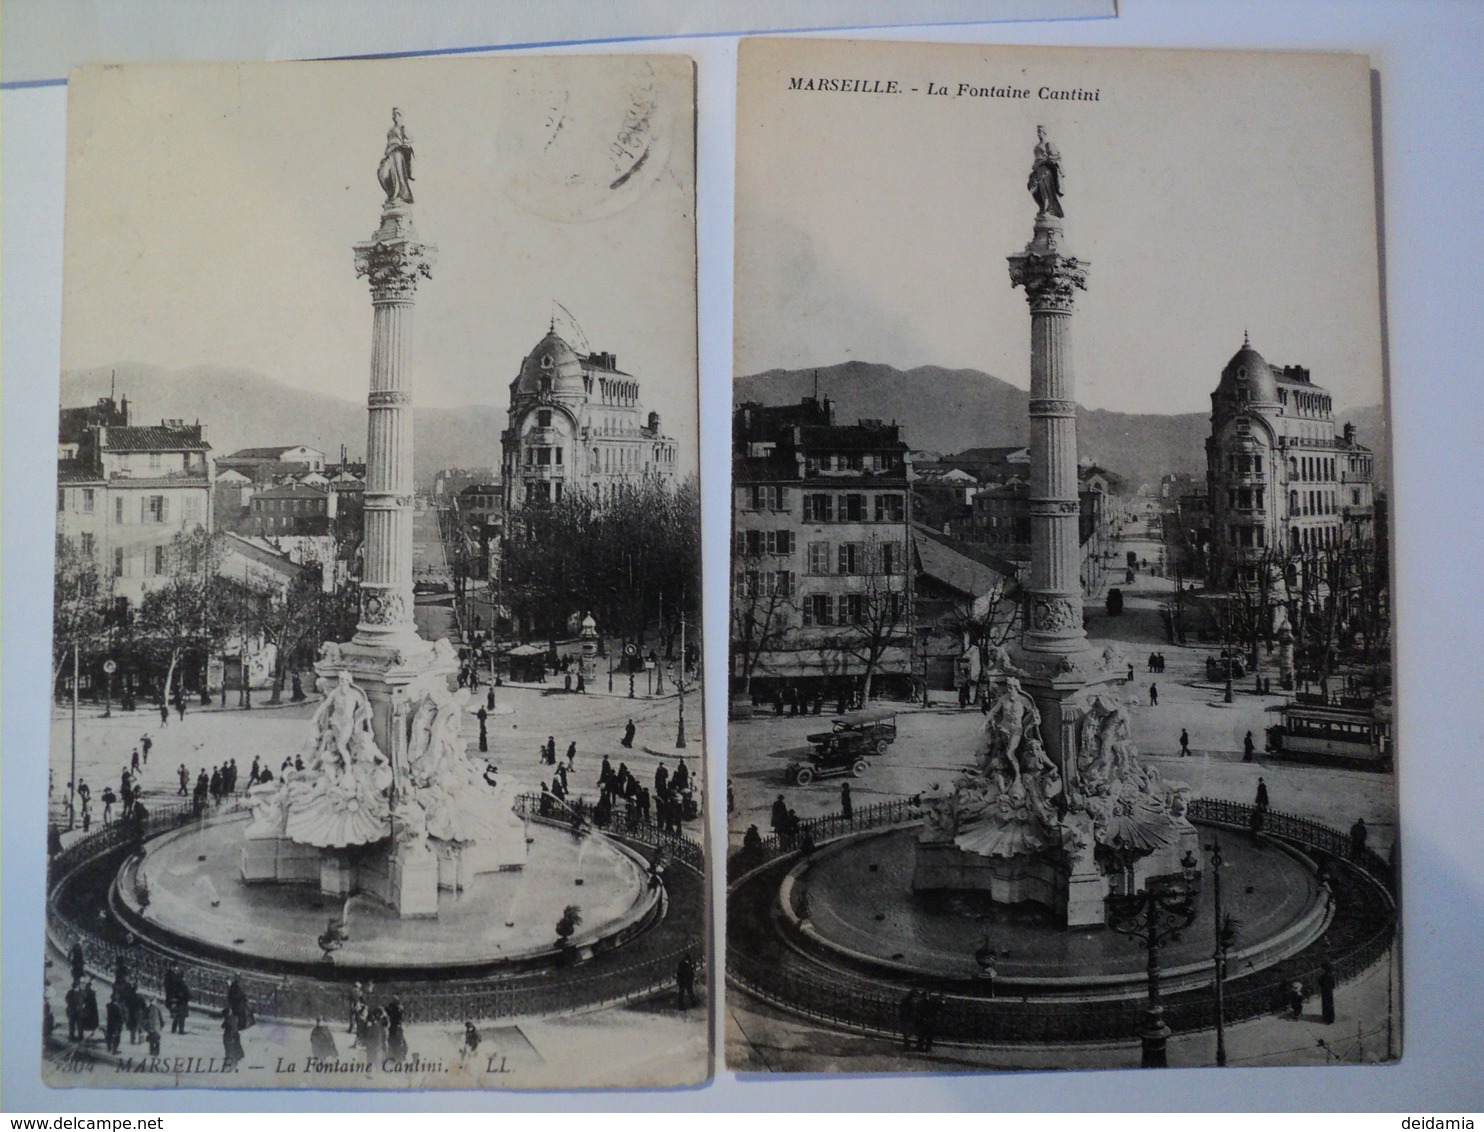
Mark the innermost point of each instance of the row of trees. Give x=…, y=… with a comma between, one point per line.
x=860, y=627
x=197, y=612
x=1335, y=599
x=632, y=559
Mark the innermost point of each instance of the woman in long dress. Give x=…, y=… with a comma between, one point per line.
x=395, y=171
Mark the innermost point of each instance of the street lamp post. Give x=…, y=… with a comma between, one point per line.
x=680, y=680
x=1159, y=913
x=1226, y=936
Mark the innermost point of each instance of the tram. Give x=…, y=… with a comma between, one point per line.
x=1333, y=733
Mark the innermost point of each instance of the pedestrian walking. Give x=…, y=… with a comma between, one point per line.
x=1327, y=991
x=180, y=1009
x=322, y=1042
x=1249, y=748
x=164, y=714
x=628, y=735
x=232, y=1051
x=1262, y=794
x=88, y=1017
x=1153, y=695
x=484, y=740
x=471, y=1040
x=185, y=778
x=154, y=1022
x=134, y=761
x=108, y=801
x=1358, y=837
x=845, y=806
x=571, y=755
x=1184, y=743
x=685, y=982
x=489, y=699
x=180, y=706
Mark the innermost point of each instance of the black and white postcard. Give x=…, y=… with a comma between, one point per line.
x=1061, y=722
x=376, y=750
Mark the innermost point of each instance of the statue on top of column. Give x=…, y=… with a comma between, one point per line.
x=395, y=170
x=1046, y=176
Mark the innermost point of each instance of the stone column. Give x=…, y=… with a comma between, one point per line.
x=393, y=260
x=1054, y=599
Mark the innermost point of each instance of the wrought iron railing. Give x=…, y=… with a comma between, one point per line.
x=645, y=831
x=1360, y=935
x=107, y=945
x=827, y=827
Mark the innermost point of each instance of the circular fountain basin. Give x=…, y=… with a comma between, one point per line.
x=199, y=904
x=852, y=903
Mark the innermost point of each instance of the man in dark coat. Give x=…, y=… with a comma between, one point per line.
x=685, y=982
x=484, y=739
x=1327, y=991
x=1262, y=794
x=661, y=781
x=113, y=1023
x=780, y=815
x=180, y=1009
x=88, y=1012
x=237, y=1002
x=628, y=735
x=1249, y=748
x=1358, y=837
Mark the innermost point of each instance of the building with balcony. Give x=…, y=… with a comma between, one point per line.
x=822, y=574
x=576, y=424
x=1279, y=481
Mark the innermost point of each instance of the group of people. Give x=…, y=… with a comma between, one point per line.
x=792, y=833
x=219, y=785
x=376, y=1028
x=1156, y=662
x=128, y=1009
x=918, y=1014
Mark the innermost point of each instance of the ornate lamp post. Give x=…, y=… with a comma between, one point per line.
x=1159, y=913
x=1226, y=936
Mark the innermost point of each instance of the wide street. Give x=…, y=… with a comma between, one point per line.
x=630, y=1045
x=525, y=716
x=934, y=743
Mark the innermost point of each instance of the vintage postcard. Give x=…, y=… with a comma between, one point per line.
x=1060, y=689
x=377, y=755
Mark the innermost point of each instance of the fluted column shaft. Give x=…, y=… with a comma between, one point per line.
x=1054, y=601
x=393, y=261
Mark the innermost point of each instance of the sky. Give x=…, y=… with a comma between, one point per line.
x=1213, y=193
x=212, y=210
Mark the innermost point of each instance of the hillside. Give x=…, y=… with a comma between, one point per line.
x=242, y=409
x=943, y=410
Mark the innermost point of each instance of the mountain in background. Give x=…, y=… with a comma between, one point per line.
x=949, y=410
x=243, y=409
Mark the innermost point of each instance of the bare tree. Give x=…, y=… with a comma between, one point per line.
x=763, y=613
x=878, y=617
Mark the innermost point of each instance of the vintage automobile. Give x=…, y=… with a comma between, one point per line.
x=845, y=747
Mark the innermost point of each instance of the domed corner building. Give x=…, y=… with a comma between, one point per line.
x=1279, y=478
x=576, y=425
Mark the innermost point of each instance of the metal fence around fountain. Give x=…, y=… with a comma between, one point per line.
x=826, y=827
x=836, y=998
x=289, y=997
x=618, y=825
